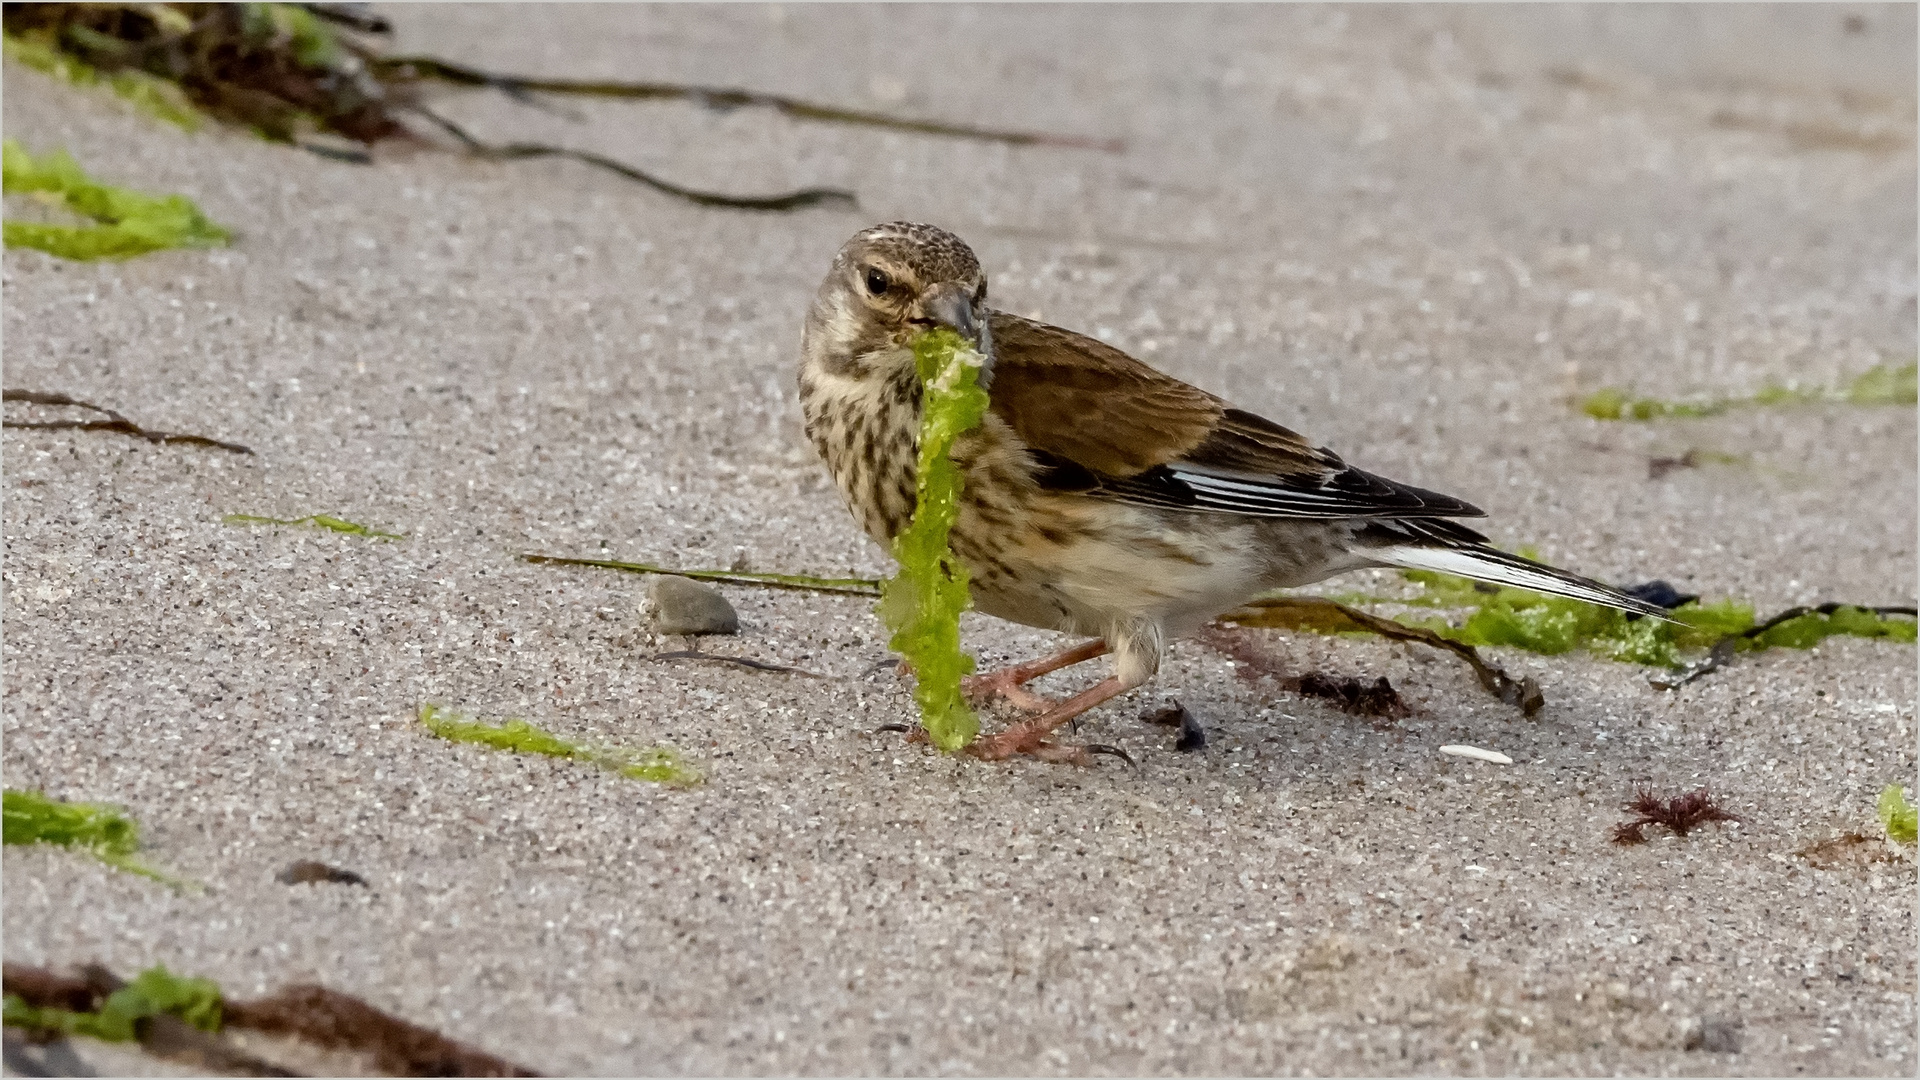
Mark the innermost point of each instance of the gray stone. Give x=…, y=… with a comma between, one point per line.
x=684, y=606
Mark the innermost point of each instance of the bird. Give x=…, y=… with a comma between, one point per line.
x=1100, y=497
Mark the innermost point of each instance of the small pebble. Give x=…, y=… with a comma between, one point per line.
x=1477, y=754
x=684, y=606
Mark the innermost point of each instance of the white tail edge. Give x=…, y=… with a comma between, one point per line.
x=1500, y=568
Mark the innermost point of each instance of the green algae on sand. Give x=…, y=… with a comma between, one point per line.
x=1900, y=817
x=154, y=992
x=1883, y=384
x=922, y=603
x=30, y=817
x=1552, y=625
x=125, y=222
x=655, y=764
x=324, y=521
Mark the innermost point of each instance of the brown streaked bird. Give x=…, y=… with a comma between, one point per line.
x=1102, y=498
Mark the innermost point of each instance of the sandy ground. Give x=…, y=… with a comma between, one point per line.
x=1414, y=234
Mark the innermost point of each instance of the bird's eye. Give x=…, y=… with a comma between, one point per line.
x=877, y=281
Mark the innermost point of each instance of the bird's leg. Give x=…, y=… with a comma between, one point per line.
x=1010, y=682
x=1031, y=736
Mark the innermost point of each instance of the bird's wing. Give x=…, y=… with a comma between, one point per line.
x=1099, y=421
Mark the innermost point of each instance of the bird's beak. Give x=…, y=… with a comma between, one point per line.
x=949, y=305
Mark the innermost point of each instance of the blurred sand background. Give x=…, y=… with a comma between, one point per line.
x=1417, y=234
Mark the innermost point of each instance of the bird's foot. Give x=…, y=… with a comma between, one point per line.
x=1034, y=736
x=1004, y=684
x=1010, y=682
x=1036, y=744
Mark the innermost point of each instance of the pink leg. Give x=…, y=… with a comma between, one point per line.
x=1031, y=736
x=1010, y=682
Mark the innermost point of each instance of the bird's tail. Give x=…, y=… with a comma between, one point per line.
x=1448, y=548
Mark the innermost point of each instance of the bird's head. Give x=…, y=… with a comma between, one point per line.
x=888, y=284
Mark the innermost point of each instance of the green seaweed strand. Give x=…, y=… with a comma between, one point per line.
x=1882, y=384
x=654, y=764
x=127, y=222
x=922, y=603
x=324, y=521
x=799, y=582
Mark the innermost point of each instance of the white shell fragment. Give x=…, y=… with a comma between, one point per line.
x=1474, y=752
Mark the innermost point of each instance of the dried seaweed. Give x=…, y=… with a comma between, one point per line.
x=796, y=582
x=337, y=1021
x=1658, y=467
x=792, y=200
x=737, y=661
x=1329, y=617
x=114, y=422
x=1680, y=814
x=275, y=69
x=1848, y=848
x=1191, y=738
x=179, y=1020
x=286, y=71
x=1350, y=695
x=311, y=872
x=1800, y=628
x=154, y=96
x=400, y=69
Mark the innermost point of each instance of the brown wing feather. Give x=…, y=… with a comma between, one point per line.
x=1091, y=404
x=1099, y=420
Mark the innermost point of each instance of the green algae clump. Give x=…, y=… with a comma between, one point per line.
x=29, y=817
x=1901, y=818
x=1882, y=384
x=922, y=603
x=127, y=223
x=1552, y=625
x=154, y=992
x=324, y=521
x=655, y=764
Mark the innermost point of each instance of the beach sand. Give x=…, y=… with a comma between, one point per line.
x=1417, y=235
